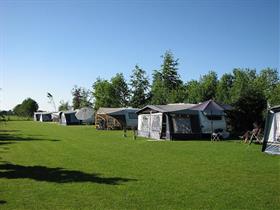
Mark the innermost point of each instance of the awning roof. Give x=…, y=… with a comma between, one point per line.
x=210, y=107
x=115, y=111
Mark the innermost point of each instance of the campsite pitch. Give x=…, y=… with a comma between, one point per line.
x=47, y=166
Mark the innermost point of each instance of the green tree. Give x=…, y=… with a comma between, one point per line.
x=104, y=94
x=139, y=88
x=223, y=89
x=169, y=71
x=64, y=106
x=26, y=108
x=18, y=110
x=159, y=92
x=275, y=96
x=121, y=90
x=248, y=108
x=243, y=79
x=81, y=97
x=208, y=86
x=193, y=92
x=267, y=81
x=167, y=87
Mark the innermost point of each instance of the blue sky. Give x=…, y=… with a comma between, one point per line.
x=50, y=46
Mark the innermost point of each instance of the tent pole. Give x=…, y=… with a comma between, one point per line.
x=211, y=122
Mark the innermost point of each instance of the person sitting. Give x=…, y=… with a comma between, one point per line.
x=247, y=135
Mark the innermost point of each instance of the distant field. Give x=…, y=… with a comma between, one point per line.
x=47, y=166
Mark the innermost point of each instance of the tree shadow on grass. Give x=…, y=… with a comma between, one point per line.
x=2, y=202
x=56, y=175
x=7, y=137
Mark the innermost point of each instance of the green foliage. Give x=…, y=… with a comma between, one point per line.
x=208, y=86
x=78, y=167
x=158, y=91
x=169, y=71
x=248, y=108
x=167, y=87
x=64, y=106
x=121, y=90
x=224, y=89
x=139, y=88
x=81, y=97
x=26, y=108
x=275, y=96
x=110, y=94
x=193, y=92
x=103, y=93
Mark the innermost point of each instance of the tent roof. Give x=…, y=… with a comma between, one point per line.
x=114, y=111
x=167, y=108
x=210, y=107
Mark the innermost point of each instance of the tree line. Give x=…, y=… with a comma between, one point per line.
x=247, y=91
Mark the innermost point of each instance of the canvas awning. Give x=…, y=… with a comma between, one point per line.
x=210, y=107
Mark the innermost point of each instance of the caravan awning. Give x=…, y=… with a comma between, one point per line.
x=210, y=107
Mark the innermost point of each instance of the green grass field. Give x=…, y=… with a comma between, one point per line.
x=47, y=166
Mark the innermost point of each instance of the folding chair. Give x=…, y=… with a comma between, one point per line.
x=257, y=137
x=215, y=137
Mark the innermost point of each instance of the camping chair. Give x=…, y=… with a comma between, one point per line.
x=216, y=135
x=256, y=136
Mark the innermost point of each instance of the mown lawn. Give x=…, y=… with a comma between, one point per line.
x=47, y=166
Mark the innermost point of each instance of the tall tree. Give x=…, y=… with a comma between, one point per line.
x=193, y=92
x=243, y=80
x=223, y=89
x=104, y=94
x=121, y=90
x=139, y=88
x=81, y=97
x=169, y=71
x=208, y=86
x=26, y=108
x=159, y=92
x=167, y=85
x=267, y=81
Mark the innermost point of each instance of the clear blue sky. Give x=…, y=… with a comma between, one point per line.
x=50, y=46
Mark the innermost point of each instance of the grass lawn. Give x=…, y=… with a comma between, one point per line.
x=47, y=166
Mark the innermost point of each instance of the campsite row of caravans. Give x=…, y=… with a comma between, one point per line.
x=168, y=122
x=172, y=121
x=77, y=117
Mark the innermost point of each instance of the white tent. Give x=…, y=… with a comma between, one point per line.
x=271, y=143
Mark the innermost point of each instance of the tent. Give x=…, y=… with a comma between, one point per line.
x=116, y=118
x=172, y=121
x=43, y=116
x=69, y=118
x=86, y=115
x=37, y=116
x=56, y=116
x=212, y=116
x=271, y=143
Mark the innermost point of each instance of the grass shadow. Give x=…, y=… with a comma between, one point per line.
x=2, y=202
x=7, y=137
x=56, y=175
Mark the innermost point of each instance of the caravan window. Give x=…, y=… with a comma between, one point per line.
x=214, y=117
